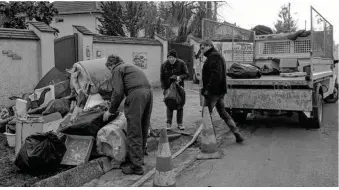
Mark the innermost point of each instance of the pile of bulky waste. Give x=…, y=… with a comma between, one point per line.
x=61, y=121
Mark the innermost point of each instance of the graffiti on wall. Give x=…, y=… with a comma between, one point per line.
x=140, y=59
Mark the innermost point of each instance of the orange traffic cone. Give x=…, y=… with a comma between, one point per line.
x=209, y=146
x=164, y=175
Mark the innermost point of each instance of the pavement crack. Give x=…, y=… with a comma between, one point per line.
x=209, y=172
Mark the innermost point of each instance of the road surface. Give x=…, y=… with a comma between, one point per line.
x=277, y=152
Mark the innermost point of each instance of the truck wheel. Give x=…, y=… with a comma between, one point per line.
x=239, y=117
x=316, y=121
x=333, y=98
x=303, y=120
x=195, y=80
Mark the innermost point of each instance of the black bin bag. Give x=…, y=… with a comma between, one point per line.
x=243, y=71
x=41, y=153
x=87, y=123
x=175, y=97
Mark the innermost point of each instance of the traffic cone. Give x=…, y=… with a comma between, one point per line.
x=209, y=146
x=164, y=175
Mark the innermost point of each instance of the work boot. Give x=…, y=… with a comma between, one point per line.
x=181, y=127
x=129, y=171
x=238, y=137
x=169, y=126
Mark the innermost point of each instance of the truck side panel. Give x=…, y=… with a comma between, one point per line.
x=270, y=99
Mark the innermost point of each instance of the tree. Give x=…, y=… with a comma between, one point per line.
x=151, y=21
x=262, y=30
x=286, y=23
x=111, y=19
x=41, y=11
x=134, y=13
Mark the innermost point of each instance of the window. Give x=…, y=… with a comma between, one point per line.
x=59, y=20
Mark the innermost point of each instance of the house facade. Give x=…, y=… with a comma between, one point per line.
x=83, y=13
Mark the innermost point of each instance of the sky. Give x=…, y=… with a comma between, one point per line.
x=249, y=13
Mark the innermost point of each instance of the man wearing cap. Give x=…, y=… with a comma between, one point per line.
x=130, y=81
x=214, y=85
x=173, y=70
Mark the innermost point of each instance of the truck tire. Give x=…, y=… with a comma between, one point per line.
x=195, y=80
x=316, y=121
x=239, y=117
x=333, y=98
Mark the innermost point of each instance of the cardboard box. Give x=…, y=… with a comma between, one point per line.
x=288, y=63
x=21, y=107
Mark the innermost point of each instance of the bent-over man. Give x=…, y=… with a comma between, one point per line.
x=130, y=81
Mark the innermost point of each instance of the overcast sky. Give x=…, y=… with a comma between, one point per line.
x=249, y=13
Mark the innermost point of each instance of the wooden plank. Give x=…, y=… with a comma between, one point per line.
x=270, y=99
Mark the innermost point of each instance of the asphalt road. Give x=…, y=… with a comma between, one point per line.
x=278, y=152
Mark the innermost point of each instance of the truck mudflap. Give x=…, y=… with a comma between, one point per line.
x=270, y=99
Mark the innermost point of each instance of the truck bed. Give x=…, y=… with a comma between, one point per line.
x=269, y=80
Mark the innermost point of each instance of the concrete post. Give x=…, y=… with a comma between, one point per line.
x=164, y=43
x=85, y=45
x=47, y=60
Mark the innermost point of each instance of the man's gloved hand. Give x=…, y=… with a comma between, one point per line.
x=106, y=116
x=204, y=92
x=174, y=77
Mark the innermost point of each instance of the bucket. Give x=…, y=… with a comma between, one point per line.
x=10, y=139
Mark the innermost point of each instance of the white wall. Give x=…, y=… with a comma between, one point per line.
x=18, y=76
x=125, y=51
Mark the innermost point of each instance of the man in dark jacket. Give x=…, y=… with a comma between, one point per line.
x=173, y=70
x=214, y=85
x=130, y=81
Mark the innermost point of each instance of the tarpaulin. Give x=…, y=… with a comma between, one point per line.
x=53, y=76
x=90, y=75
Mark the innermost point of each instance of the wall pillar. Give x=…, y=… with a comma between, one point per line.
x=164, y=43
x=85, y=45
x=46, y=60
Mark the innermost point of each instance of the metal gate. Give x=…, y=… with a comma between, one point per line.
x=185, y=52
x=66, y=52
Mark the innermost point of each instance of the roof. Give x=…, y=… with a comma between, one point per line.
x=124, y=40
x=43, y=27
x=199, y=40
x=77, y=7
x=18, y=34
x=161, y=37
x=83, y=30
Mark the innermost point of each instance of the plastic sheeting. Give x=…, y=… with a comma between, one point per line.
x=91, y=75
x=111, y=139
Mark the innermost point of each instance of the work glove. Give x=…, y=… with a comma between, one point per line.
x=106, y=116
x=204, y=92
x=174, y=77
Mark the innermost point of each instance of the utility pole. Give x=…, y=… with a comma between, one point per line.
x=289, y=17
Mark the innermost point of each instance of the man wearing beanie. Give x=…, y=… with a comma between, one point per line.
x=214, y=85
x=173, y=70
x=128, y=80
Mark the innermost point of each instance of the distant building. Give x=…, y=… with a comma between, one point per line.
x=83, y=13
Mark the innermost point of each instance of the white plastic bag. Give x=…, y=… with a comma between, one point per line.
x=111, y=139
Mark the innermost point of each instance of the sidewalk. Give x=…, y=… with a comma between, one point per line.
x=192, y=117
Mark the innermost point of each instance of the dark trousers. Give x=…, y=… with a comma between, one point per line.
x=217, y=101
x=180, y=115
x=138, y=109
